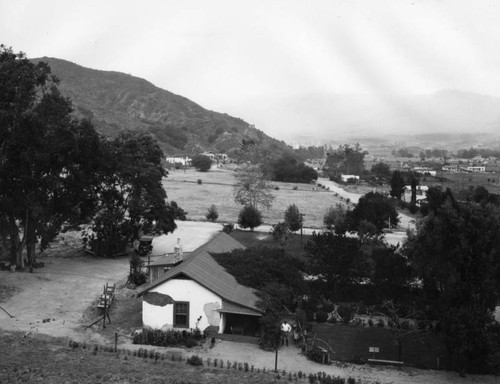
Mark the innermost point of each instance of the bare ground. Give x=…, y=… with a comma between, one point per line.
x=59, y=300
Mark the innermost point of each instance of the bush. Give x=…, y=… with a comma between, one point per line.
x=228, y=228
x=168, y=338
x=249, y=217
x=200, y=181
x=370, y=322
x=195, y=360
x=202, y=163
x=137, y=276
x=315, y=354
x=212, y=213
x=346, y=313
x=381, y=323
x=321, y=316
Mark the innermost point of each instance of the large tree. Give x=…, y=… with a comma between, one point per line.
x=46, y=157
x=202, y=163
x=374, y=208
x=132, y=199
x=345, y=160
x=293, y=218
x=336, y=262
x=456, y=253
x=252, y=185
x=397, y=184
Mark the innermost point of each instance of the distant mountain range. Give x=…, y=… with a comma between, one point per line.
x=324, y=118
x=116, y=101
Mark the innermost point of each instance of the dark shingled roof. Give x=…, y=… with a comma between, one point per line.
x=203, y=268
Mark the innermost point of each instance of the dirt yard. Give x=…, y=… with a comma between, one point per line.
x=58, y=300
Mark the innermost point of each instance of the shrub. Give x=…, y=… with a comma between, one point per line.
x=228, y=228
x=212, y=213
x=200, y=181
x=380, y=323
x=315, y=354
x=249, y=217
x=346, y=313
x=137, y=276
x=321, y=316
x=195, y=360
x=202, y=163
x=167, y=338
x=276, y=188
x=370, y=322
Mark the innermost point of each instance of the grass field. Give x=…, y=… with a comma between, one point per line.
x=217, y=189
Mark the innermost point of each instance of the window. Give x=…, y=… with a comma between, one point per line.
x=181, y=314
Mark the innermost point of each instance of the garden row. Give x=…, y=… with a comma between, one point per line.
x=195, y=360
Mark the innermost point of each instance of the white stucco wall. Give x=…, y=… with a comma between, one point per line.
x=202, y=302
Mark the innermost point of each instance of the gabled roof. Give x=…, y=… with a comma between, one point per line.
x=203, y=268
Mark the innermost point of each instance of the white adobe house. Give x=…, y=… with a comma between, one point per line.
x=199, y=293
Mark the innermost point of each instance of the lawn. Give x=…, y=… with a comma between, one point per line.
x=217, y=188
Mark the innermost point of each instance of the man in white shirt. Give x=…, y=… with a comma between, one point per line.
x=285, y=332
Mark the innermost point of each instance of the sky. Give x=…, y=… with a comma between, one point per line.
x=241, y=57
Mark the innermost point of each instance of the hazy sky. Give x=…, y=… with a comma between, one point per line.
x=226, y=55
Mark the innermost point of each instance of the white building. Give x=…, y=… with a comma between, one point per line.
x=200, y=293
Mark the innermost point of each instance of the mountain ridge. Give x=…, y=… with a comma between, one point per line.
x=116, y=101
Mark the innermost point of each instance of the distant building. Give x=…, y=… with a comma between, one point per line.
x=346, y=178
x=481, y=168
x=421, y=193
x=425, y=171
x=182, y=160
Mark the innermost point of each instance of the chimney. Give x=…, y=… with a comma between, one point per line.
x=178, y=252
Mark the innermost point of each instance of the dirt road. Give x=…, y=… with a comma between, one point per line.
x=61, y=292
x=53, y=298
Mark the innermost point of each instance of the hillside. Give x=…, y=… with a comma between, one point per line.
x=115, y=101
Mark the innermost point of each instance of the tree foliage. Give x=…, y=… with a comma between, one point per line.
x=202, y=163
x=212, y=213
x=345, y=160
x=293, y=218
x=288, y=169
x=276, y=276
x=397, y=185
x=456, y=254
x=280, y=233
x=46, y=157
x=335, y=218
x=374, y=208
x=252, y=187
x=336, y=261
x=249, y=217
x=381, y=170
x=131, y=196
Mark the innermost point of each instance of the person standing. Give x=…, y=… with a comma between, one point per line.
x=285, y=332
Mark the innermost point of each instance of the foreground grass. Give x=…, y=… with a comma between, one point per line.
x=52, y=360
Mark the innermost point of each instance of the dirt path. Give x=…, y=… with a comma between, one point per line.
x=61, y=292
x=290, y=359
x=58, y=294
